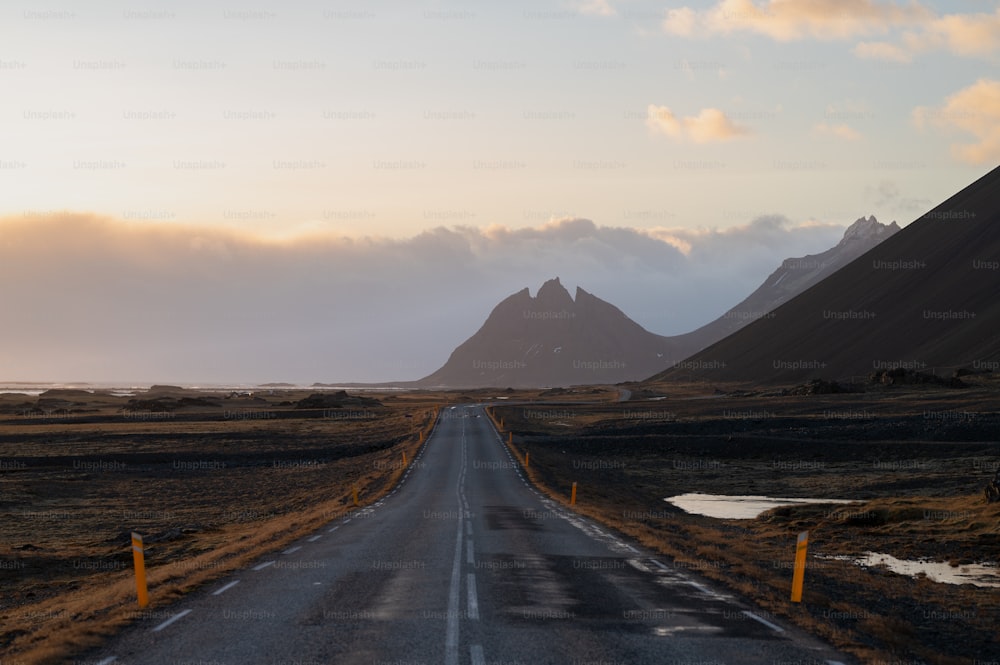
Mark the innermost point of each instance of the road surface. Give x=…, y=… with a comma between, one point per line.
x=462, y=563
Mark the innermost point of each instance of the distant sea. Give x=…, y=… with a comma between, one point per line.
x=129, y=389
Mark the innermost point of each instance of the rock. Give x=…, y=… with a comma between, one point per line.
x=901, y=376
x=992, y=491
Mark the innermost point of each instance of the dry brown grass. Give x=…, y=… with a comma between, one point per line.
x=875, y=615
x=53, y=627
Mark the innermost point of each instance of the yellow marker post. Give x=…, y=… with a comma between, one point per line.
x=527, y=457
x=404, y=458
x=800, y=566
x=139, y=558
x=572, y=496
x=510, y=438
x=356, y=496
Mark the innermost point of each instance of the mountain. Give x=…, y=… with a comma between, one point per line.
x=793, y=277
x=553, y=339
x=923, y=299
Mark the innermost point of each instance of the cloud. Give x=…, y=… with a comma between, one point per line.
x=885, y=192
x=966, y=35
x=101, y=299
x=791, y=20
x=887, y=195
x=596, y=8
x=969, y=35
x=842, y=131
x=681, y=22
x=973, y=110
x=882, y=51
x=709, y=125
x=910, y=28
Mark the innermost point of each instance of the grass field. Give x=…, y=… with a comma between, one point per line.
x=210, y=486
x=915, y=460
x=214, y=482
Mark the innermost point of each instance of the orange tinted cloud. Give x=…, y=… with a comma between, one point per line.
x=710, y=125
x=967, y=35
x=789, y=20
x=910, y=28
x=973, y=110
x=842, y=131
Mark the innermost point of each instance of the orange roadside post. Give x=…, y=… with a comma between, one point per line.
x=139, y=559
x=800, y=566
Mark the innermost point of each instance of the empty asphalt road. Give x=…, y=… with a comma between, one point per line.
x=462, y=563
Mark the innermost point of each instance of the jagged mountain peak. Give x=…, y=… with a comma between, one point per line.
x=553, y=293
x=866, y=229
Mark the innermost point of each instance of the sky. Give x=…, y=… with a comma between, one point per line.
x=333, y=191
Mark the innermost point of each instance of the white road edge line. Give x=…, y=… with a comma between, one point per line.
x=476, y=656
x=473, y=599
x=264, y=565
x=292, y=550
x=172, y=619
x=314, y=539
x=108, y=660
x=332, y=530
x=226, y=588
x=470, y=558
x=777, y=629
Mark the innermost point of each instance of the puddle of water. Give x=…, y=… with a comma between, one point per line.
x=735, y=507
x=984, y=575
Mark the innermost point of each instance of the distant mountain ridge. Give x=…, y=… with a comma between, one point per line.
x=792, y=278
x=925, y=299
x=553, y=339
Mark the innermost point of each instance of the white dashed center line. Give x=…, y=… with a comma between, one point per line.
x=225, y=588
x=473, y=598
x=172, y=619
x=777, y=629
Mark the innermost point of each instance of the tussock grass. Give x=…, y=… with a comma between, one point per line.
x=55, y=628
x=876, y=615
